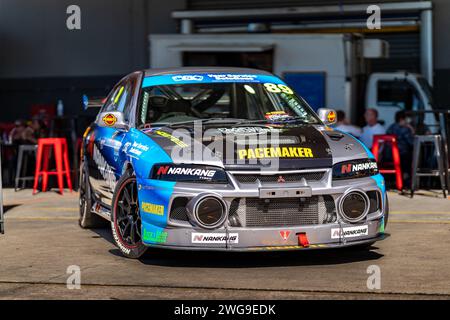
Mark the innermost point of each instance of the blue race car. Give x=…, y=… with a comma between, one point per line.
x=225, y=159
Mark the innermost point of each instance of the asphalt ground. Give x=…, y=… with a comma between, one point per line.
x=43, y=239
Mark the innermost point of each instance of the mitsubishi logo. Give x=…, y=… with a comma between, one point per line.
x=281, y=179
x=285, y=234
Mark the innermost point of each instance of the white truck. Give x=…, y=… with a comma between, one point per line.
x=394, y=91
x=328, y=70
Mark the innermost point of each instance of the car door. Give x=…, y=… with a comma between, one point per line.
x=108, y=154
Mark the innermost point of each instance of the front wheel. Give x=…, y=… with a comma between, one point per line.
x=126, y=218
x=87, y=219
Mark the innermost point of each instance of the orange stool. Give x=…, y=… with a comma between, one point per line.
x=59, y=146
x=389, y=167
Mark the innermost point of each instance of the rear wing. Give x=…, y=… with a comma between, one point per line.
x=2, y=221
x=93, y=103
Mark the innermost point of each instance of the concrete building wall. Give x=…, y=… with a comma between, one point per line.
x=112, y=39
x=42, y=61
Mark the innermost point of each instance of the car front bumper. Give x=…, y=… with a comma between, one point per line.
x=167, y=233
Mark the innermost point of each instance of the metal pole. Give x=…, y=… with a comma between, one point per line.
x=2, y=227
x=187, y=26
x=426, y=45
x=444, y=134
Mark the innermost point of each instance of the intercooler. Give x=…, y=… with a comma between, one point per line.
x=282, y=212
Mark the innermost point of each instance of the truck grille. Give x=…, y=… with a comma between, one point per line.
x=290, y=177
x=282, y=212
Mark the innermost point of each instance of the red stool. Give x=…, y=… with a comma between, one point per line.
x=389, y=167
x=59, y=146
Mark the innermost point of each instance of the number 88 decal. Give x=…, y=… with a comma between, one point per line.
x=277, y=88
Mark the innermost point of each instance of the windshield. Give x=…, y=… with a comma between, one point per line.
x=224, y=101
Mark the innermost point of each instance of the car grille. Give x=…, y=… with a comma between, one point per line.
x=282, y=212
x=290, y=177
x=374, y=201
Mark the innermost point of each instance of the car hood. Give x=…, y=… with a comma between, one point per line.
x=247, y=147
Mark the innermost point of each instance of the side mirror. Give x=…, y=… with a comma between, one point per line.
x=112, y=119
x=327, y=116
x=93, y=103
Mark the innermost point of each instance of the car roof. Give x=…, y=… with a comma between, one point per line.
x=184, y=70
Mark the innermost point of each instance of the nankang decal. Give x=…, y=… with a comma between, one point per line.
x=350, y=232
x=347, y=168
x=214, y=237
x=188, y=173
x=355, y=169
x=105, y=169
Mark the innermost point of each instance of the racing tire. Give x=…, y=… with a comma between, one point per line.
x=87, y=219
x=126, y=218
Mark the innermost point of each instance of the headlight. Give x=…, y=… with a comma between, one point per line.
x=354, y=206
x=355, y=169
x=210, y=212
x=188, y=173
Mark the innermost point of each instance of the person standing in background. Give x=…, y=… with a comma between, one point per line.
x=16, y=134
x=372, y=128
x=405, y=141
x=344, y=125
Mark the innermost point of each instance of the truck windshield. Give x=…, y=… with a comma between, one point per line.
x=241, y=101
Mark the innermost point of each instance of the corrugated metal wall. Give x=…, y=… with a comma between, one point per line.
x=404, y=46
x=239, y=4
x=404, y=52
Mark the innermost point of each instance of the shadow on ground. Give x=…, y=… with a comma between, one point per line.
x=211, y=259
x=6, y=208
x=203, y=259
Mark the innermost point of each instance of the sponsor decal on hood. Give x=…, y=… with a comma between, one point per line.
x=286, y=147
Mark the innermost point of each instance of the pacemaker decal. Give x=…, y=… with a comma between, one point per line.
x=278, y=152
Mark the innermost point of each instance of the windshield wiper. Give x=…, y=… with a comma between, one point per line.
x=208, y=121
x=236, y=121
x=282, y=120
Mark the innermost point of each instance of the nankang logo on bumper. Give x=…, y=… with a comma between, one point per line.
x=349, y=232
x=215, y=238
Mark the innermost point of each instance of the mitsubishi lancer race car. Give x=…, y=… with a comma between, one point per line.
x=225, y=159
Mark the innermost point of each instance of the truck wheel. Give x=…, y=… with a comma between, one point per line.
x=88, y=219
x=126, y=218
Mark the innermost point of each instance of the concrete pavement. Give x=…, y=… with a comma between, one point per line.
x=43, y=238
